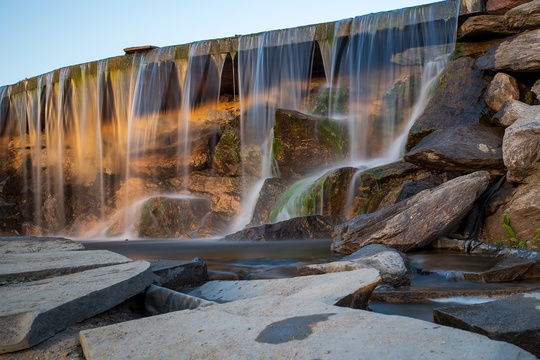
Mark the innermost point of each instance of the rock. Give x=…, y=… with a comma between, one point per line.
x=299, y=228
x=508, y=269
x=227, y=160
x=420, y=56
x=252, y=160
x=391, y=264
x=502, y=88
x=328, y=195
x=524, y=17
x=457, y=101
x=275, y=327
x=35, y=311
x=536, y=89
x=36, y=265
x=470, y=7
x=160, y=300
x=269, y=193
x=515, y=54
x=511, y=111
x=304, y=143
x=515, y=319
x=502, y=6
x=411, y=223
x=465, y=148
x=171, y=217
x=200, y=155
x=350, y=290
x=483, y=26
x=28, y=244
x=176, y=274
x=521, y=148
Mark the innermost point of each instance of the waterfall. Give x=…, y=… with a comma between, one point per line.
x=83, y=147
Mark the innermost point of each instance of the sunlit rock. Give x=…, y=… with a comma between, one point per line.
x=503, y=87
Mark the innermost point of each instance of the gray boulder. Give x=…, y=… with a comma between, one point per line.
x=515, y=54
x=277, y=327
x=176, y=274
x=503, y=87
x=511, y=111
x=391, y=264
x=35, y=311
x=414, y=222
x=524, y=17
x=508, y=269
x=465, y=148
x=521, y=148
x=515, y=319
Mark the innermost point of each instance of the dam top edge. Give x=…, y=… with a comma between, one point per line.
x=442, y=10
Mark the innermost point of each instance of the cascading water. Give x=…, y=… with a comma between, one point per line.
x=378, y=82
x=87, y=145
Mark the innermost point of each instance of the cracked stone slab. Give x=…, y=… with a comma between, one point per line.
x=33, y=312
x=279, y=327
x=17, y=245
x=36, y=265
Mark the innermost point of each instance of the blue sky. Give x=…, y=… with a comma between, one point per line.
x=38, y=36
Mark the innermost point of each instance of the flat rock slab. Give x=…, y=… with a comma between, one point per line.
x=17, y=245
x=328, y=288
x=175, y=274
x=276, y=327
x=515, y=319
x=32, y=312
x=35, y=266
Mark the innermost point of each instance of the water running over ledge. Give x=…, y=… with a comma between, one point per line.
x=86, y=143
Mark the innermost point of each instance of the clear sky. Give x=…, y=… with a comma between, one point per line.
x=37, y=36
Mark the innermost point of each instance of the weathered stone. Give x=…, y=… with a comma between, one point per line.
x=502, y=6
x=513, y=110
x=304, y=143
x=420, y=55
x=252, y=160
x=503, y=87
x=524, y=17
x=298, y=228
x=515, y=319
x=508, y=269
x=175, y=274
x=521, y=148
x=36, y=265
x=390, y=263
x=458, y=100
x=17, y=245
x=200, y=155
x=483, y=26
x=474, y=49
x=350, y=290
x=536, y=89
x=465, y=148
x=269, y=193
x=515, y=54
x=166, y=217
x=327, y=195
x=227, y=160
x=411, y=223
x=471, y=7
x=32, y=312
x=275, y=327
x=160, y=300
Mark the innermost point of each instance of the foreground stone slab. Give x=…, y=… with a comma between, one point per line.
x=175, y=274
x=17, y=245
x=515, y=319
x=276, y=327
x=414, y=222
x=160, y=300
x=35, y=266
x=32, y=312
x=350, y=289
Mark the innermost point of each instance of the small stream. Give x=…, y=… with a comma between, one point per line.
x=436, y=280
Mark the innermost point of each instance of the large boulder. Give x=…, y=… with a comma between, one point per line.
x=515, y=319
x=511, y=111
x=483, y=26
x=465, y=148
x=271, y=190
x=298, y=228
x=503, y=87
x=304, y=143
x=458, y=100
x=524, y=17
x=415, y=222
x=502, y=6
x=515, y=54
x=227, y=160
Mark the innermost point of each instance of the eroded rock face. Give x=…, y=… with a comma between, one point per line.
x=458, y=100
x=304, y=143
x=414, y=222
x=465, y=148
x=503, y=87
x=515, y=54
x=511, y=111
x=524, y=17
x=227, y=160
x=483, y=26
x=521, y=148
x=502, y=6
